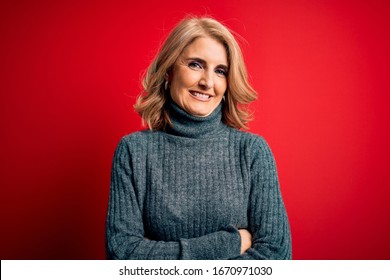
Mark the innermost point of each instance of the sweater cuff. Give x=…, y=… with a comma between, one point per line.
x=223, y=244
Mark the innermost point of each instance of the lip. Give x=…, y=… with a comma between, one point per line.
x=200, y=98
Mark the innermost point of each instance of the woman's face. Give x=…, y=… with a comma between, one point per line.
x=199, y=77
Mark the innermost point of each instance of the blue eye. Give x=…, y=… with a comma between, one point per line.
x=195, y=65
x=221, y=72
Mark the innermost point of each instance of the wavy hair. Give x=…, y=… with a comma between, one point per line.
x=151, y=104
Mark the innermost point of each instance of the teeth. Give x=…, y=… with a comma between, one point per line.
x=201, y=95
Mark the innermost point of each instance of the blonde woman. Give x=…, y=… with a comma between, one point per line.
x=194, y=185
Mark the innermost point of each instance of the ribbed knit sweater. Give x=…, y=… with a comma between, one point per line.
x=183, y=193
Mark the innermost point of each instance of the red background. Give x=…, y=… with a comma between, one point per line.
x=70, y=73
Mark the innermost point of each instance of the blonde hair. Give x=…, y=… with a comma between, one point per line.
x=151, y=104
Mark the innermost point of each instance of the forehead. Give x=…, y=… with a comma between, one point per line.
x=208, y=49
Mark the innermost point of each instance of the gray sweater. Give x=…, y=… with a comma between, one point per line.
x=183, y=193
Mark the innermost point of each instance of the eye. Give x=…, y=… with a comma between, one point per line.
x=195, y=65
x=221, y=72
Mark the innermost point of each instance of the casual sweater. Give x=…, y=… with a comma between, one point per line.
x=183, y=193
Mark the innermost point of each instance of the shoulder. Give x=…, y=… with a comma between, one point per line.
x=136, y=141
x=255, y=147
x=138, y=138
x=249, y=139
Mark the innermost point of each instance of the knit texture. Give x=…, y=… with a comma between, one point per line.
x=185, y=192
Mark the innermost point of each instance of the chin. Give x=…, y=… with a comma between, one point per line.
x=200, y=113
x=200, y=110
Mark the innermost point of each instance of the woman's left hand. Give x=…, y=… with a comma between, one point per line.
x=246, y=240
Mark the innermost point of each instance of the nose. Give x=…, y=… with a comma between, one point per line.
x=207, y=80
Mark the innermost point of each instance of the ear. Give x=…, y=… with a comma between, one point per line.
x=168, y=75
x=167, y=82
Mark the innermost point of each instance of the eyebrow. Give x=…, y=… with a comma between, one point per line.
x=205, y=62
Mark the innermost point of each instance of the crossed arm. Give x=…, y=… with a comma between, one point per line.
x=267, y=235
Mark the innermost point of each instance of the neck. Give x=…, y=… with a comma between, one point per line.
x=187, y=125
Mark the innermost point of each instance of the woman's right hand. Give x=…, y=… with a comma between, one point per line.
x=246, y=240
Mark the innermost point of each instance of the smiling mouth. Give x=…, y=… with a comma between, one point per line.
x=200, y=96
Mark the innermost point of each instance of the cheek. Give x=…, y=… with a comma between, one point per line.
x=221, y=87
x=182, y=80
x=189, y=78
x=175, y=87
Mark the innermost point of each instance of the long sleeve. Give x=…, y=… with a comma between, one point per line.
x=267, y=218
x=125, y=236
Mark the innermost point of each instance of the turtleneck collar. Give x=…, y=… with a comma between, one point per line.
x=187, y=125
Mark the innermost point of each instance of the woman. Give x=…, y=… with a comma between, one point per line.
x=194, y=186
